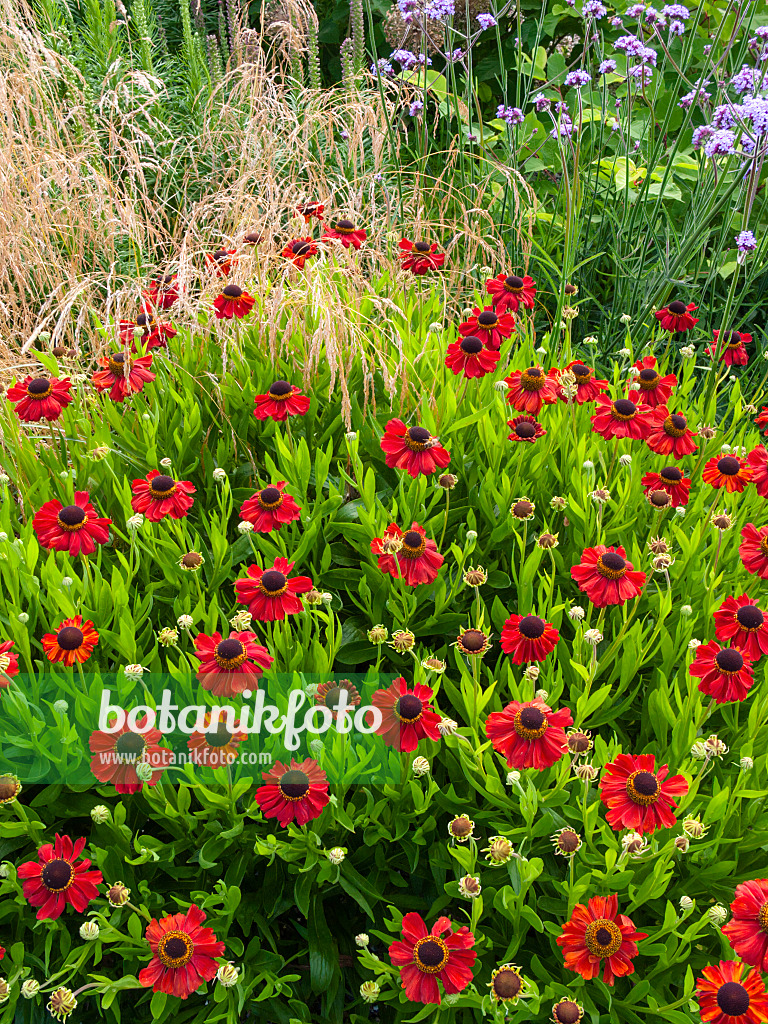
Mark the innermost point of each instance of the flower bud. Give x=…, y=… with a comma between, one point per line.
x=369, y=991
x=185, y=622
x=336, y=855
x=686, y=903
x=144, y=771
x=219, y=475
x=746, y=764
x=62, y=1003
x=61, y=707
x=682, y=843
x=89, y=930
x=469, y=887
x=717, y=914
x=420, y=766
x=133, y=673
x=30, y=988
x=227, y=974
x=100, y=814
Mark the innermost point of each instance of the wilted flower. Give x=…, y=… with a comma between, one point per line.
x=498, y=851
x=5, y=990
x=523, y=508
x=89, y=931
x=461, y=828
x=447, y=481
x=100, y=814
x=658, y=545
x=434, y=665
x=566, y=841
x=118, y=895
x=227, y=974
x=469, y=887
x=313, y=597
x=662, y=562
x=634, y=844
x=579, y=742
x=191, y=561
x=715, y=746
x=369, y=991
x=547, y=541
x=402, y=641
x=600, y=496
x=532, y=673
x=420, y=766
x=377, y=635
x=241, y=620
x=706, y=432
x=721, y=521
x=168, y=636
x=336, y=855
x=558, y=502
x=699, y=751
x=585, y=772
x=694, y=828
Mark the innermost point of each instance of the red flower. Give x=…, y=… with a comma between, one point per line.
x=412, y=449
x=281, y=401
x=758, y=461
x=40, y=398
x=408, y=556
x=530, y=389
x=406, y=716
x=753, y=550
x=73, y=641
x=727, y=471
x=163, y=291
x=671, y=480
x=725, y=673
x=296, y=792
x=727, y=997
x=598, y=933
x=269, y=594
x=233, y=302
x=654, y=389
x=676, y=316
x=157, y=496
x=230, y=665
x=528, y=638
x=747, y=931
x=734, y=353
x=269, y=508
x=154, y=334
x=74, y=528
x=588, y=387
x=424, y=958
x=346, y=232
x=221, y=261
x=511, y=292
x=116, y=755
x=525, y=428
x=621, y=417
x=490, y=325
x=740, y=621
x=9, y=663
x=114, y=379
x=761, y=420
x=669, y=433
x=529, y=734
x=419, y=257
x=637, y=796
x=310, y=210
x=58, y=878
x=216, y=748
x=182, y=954
x=470, y=357
x=606, y=577
x=299, y=250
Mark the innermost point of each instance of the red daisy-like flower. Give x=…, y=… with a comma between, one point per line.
x=639, y=797
x=233, y=302
x=758, y=461
x=525, y=428
x=597, y=935
x=412, y=449
x=733, y=353
x=671, y=480
x=606, y=577
x=409, y=556
x=470, y=357
x=281, y=401
x=346, y=232
x=761, y=420
x=530, y=389
x=221, y=261
x=511, y=292
x=299, y=250
x=117, y=381
x=296, y=792
x=725, y=672
x=490, y=325
x=669, y=433
x=621, y=417
x=529, y=734
x=73, y=641
x=528, y=638
x=40, y=398
x=310, y=210
x=157, y=496
x=753, y=550
x=153, y=333
x=426, y=957
x=116, y=755
x=728, y=471
x=270, y=508
x=747, y=930
x=419, y=257
x=677, y=316
x=182, y=954
x=406, y=716
x=57, y=878
x=216, y=748
x=231, y=665
x=76, y=528
x=9, y=663
x=740, y=621
x=163, y=291
x=588, y=386
x=729, y=996
x=654, y=389
x=269, y=593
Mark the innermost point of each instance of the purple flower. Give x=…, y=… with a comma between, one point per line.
x=415, y=108
x=439, y=10
x=762, y=32
x=653, y=17
x=542, y=103
x=707, y=49
x=630, y=45
x=647, y=56
x=676, y=11
x=594, y=9
x=486, y=21
x=606, y=67
x=404, y=57
x=407, y=9
x=641, y=72
x=746, y=80
x=382, y=67
x=690, y=97
x=755, y=110
x=720, y=143
x=676, y=28
x=577, y=79
x=616, y=22
x=635, y=11
x=454, y=56
x=746, y=242
x=700, y=135
x=512, y=115
x=563, y=128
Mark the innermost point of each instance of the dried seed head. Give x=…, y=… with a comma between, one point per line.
x=475, y=577
x=547, y=541
x=658, y=546
x=469, y=887
x=402, y=641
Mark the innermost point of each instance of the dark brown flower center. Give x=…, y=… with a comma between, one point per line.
x=294, y=784
x=270, y=497
x=733, y=999
x=532, y=379
x=642, y=788
x=487, y=319
x=144, y=320
x=569, y=841
x=301, y=248
x=409, y=708
x=430, y=954
x=461, y=827
x=192, y=560
x=506, y=984
x=419, y=435
x=130, y=745
x=764, y=546
x=421, y=247
x=671, y=474
x=728, y=466
x=579, y=743
x=254, y=237
x=660, y=499
x=729, y=661
x=57, y=875
x=530, y=723
x=513, y=283
x=273, y=581
x=733, y=339
x=39, y=387
x=522, y=509
x=232, y=291
x=162, y=484
x=220, y=738
x=532, y=627
x=525, y=429
x=473, y=640
x=677, y=307
x=611, y=565
x=602, y=938
x=567, y=1012
x=750, y=617
x=648, y=375
x=623, y=409
x=762, y=917
x=413, y=544
x=332, y=698
x=72, y=517
x=471, y=345
x=70, y=638
x=175, y=949
x=345, y=227
x=228, y=649
x=221, y=256
x=580, y=370
x=281, y=389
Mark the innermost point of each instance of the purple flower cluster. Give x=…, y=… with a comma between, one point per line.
x=606, y=67
x=577, y=79
x=563, y=128
x=594, y=9
x=512, y=115
x=748, y=80
x=440, y=10
x=746, y=242
x=486, y=21
x=409, y=60
x=690, y=97
x=676, y=11
x=720, y=143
